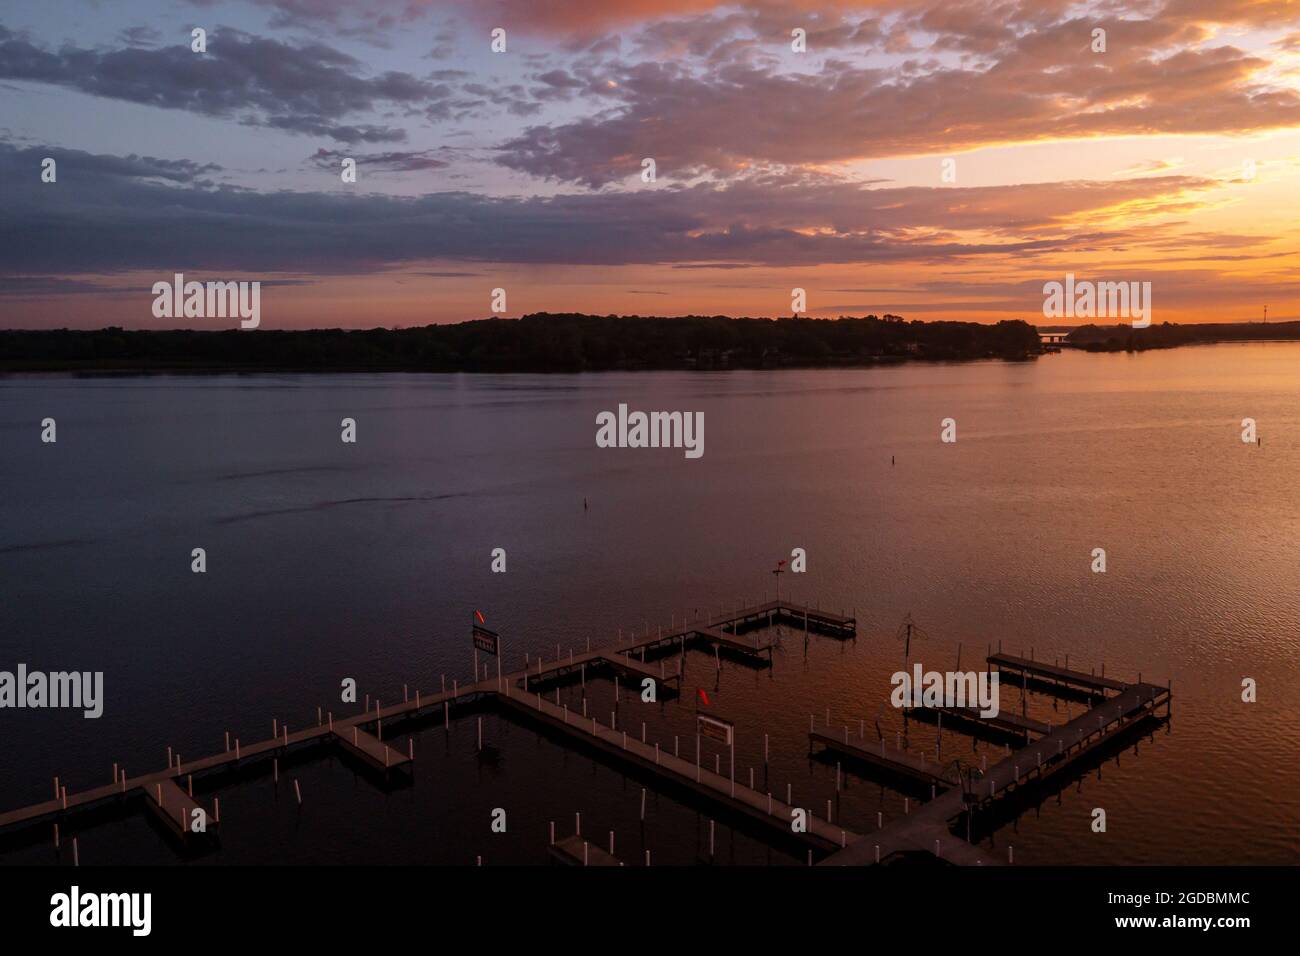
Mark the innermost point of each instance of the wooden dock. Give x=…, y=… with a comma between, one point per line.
x=1006, y=721
x=746, y=644
x=769, y=613
x=639, y=671
x=623, y=663
x=1053, y=674
x=177, y=809
x=821, y=834
x=370, y=749
x=883, y=755
x=575, y=851
x=928, y=828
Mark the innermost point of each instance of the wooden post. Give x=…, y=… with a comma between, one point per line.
x=297, y=791
x=643, y=804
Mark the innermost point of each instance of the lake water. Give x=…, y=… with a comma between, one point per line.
x=329, y=560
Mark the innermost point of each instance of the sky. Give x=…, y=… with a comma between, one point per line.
x=935, y=160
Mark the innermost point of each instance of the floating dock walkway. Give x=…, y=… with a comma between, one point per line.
x=883, y=755
x=821, y=834
x=927, y=830
x=1053, y=674
x=370, y=749
x=1006, y=722
x=575, y=851
x=178, y=809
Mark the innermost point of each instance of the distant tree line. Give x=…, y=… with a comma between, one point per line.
x=542, y=342
x=1125, y=338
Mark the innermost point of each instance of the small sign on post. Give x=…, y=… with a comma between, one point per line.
x=485, y=640
x=715, y=729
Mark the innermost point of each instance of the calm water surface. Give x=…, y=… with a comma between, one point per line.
x=328, y=560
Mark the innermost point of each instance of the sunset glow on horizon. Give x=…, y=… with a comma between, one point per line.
x=928, y=159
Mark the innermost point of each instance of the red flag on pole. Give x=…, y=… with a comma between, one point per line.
x=703, y=696
x=479, y=614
